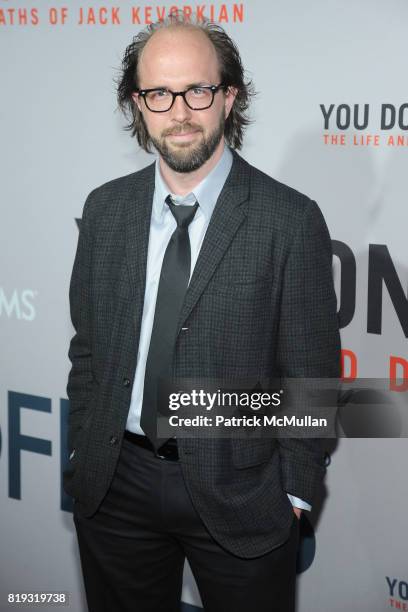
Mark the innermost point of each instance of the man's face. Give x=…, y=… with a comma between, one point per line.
x=175, y=59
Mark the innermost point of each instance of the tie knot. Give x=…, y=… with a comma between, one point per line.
x=182, y=214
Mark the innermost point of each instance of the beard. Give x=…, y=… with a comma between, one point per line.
x=188, y=157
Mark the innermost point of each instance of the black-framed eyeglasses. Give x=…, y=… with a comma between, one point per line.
x=197, y=97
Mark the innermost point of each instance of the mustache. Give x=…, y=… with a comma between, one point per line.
x=184, y=128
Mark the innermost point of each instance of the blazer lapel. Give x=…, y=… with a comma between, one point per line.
x=138, y=214
x=228, y=215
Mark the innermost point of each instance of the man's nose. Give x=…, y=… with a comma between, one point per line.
x=180, y=111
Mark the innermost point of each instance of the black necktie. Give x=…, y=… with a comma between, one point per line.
x=174, y=277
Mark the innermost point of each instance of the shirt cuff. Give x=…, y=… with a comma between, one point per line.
x=299, y=503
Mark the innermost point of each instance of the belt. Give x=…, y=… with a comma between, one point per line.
x=167, y=451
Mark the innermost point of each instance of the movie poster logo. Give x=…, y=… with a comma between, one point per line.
x=397, y=593
x=18, y=304
x=363, y=125
x=101, y=15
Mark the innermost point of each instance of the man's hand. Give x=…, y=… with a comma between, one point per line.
x=298, y=512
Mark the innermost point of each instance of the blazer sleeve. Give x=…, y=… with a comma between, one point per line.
x=80, y=379
x=308, y=340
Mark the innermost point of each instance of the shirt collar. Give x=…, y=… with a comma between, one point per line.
x=206, y=192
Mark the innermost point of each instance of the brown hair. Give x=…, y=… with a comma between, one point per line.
x=231, y=69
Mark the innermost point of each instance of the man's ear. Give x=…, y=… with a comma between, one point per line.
x=230, y=95
x=136, y=100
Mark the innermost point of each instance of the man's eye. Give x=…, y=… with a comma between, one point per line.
x=198, y=91
x=158, y=94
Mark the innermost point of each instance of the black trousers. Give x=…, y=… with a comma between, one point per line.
x=133, y=549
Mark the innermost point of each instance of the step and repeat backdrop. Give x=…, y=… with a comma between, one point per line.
x=331, y=119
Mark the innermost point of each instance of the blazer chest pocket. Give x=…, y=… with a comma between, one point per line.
x=241, y=287
x=247, y=453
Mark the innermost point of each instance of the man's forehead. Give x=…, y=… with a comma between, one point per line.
x=177, y=52
x=178, y=35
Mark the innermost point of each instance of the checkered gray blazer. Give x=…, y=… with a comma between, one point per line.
x=260, y=303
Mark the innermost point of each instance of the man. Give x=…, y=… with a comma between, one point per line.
x=202, y=266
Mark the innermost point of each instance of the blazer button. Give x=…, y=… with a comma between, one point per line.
x=113, y=440
x=126, y=382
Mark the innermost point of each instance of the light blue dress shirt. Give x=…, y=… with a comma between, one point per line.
x=162, y=226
